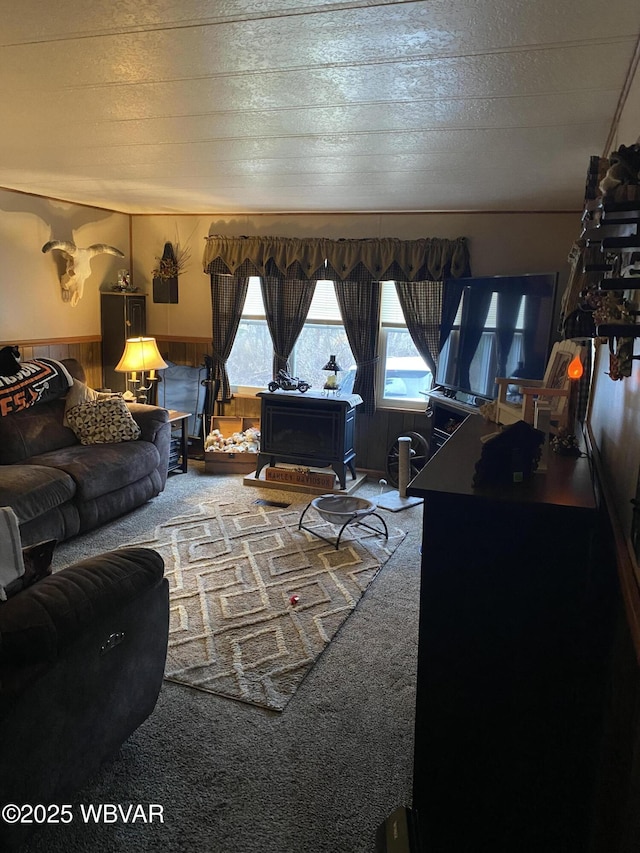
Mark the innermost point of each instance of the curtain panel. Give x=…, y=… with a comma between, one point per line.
x=288, y=269
x=382, y=258
x=359, y=301
x=286, y=304
x=227, y=300
x=421, y=304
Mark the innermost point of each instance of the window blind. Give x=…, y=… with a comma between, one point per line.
x=324, y=305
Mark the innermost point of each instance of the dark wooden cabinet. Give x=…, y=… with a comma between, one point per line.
x=512, y=655
x=122, y=316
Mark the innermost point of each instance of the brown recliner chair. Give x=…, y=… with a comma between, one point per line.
x=82, y=655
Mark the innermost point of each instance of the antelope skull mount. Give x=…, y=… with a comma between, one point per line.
x=78, y=265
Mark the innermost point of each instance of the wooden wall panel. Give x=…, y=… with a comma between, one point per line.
x=87, y=352
x=243, y=407
x=376, y=434
x=189, y=352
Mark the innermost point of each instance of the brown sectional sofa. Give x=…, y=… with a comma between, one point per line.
x=82, y=651
x=82, y=656
x=59, y=487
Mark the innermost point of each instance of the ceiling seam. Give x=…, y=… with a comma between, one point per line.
x=311, y=107
x=622, y=100
x=216, y=140
x=176, y=26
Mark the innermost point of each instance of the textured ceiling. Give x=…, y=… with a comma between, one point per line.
x=244, y=106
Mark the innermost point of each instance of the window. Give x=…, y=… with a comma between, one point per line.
x=323, y=335
x=251, y=359
x=403, y=375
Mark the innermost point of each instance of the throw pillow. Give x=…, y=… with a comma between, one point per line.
x=80, y=393
x=103, y=422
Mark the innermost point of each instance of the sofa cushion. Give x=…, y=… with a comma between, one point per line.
x=33, y=431
x=33, y=490
x=107, y=421
x=102, y=468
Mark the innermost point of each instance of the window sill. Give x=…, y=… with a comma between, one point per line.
x=399, y=406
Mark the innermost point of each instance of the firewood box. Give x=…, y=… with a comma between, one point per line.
x=230, y=461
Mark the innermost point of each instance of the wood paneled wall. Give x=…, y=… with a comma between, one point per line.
x=375, y=434
x=88, y=351
x=190, y=352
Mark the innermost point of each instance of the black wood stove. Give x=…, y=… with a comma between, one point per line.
x=311, y=429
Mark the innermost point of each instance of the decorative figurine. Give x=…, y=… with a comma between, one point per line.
x=288, y=383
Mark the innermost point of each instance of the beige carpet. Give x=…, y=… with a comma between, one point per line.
x=235, y=569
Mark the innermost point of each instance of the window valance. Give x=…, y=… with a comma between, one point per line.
x=316, y=257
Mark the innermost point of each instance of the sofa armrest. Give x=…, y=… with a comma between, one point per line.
x=63, y=718
x=150, y=419
x=38, y=623
x=155, y=427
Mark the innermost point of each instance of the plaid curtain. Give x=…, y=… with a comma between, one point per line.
x=479, y=302
x=506, y=319
x=451, y=296
x=421, y=303
x=359, y=301
x=228, y=293
x=286, y=303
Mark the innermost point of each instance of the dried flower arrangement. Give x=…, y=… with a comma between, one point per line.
x=173, y=263
x=621, y=361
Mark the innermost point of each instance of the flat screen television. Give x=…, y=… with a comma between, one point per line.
x=494, y=326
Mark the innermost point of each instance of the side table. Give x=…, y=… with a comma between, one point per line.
x=178, y=455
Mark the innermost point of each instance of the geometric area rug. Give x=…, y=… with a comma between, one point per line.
x=253, y=600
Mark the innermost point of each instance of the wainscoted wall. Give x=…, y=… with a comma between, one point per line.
x=85, y=350
x=188, y=351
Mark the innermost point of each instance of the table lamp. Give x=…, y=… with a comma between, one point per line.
x=332, y=366
x=141, y=356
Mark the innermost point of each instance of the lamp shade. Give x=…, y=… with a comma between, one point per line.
x=332, y=364
x=140, y=354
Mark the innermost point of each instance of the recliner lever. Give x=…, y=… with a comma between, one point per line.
x=111, y=642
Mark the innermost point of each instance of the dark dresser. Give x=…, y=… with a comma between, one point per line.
x=512, y=655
